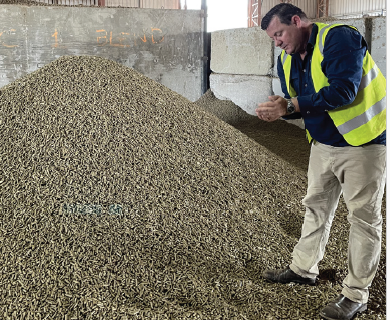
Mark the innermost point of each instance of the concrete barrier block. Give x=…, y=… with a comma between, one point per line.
x=276, y=87
x=358, y=23
x=241, y=51
x=378, y=43
x=277, y=52
x=246, y=91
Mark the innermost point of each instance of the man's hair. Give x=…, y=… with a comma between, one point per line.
x=284, y=11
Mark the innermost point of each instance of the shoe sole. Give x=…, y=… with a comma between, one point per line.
x=361, y=309
x=302, y=282
x=294, y=281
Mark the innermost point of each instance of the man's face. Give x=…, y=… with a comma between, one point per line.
x=287, y=37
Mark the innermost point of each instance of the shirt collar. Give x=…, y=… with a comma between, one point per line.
x=312, y=39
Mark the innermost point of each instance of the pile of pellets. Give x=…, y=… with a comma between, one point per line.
x=225, y=110
x=287, y=140
x=121, y=199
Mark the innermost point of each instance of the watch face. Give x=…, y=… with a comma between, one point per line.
x=290, y=107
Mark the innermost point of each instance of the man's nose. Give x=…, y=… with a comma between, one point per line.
x=278, y=43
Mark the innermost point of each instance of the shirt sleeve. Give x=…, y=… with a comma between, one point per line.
x=344, y=51
x=282, y=79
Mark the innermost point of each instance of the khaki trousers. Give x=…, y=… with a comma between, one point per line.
x=358, y=173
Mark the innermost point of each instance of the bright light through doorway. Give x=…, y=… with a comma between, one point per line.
x=222, y=14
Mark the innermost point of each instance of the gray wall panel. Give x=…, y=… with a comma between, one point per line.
x=165, y=45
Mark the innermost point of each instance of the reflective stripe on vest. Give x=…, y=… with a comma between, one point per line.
x=365, y=118
x=286, y=62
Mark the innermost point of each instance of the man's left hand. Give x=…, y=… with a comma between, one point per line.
x=273, y=109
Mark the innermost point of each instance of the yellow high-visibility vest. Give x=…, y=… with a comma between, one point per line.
x=365, y=118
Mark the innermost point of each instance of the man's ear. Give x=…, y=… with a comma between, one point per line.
x=296, y=21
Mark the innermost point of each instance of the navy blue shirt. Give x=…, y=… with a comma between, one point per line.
x=344, y=51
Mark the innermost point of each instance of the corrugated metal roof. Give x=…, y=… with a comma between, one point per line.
x=356, y=8
x=151, y=4
x=307, y=6
x=337, y=8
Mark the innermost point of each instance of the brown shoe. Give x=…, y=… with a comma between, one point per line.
x=287, y=276
x=342, y=309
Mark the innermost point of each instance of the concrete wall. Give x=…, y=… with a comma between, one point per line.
x=243, y=62
x=165, y=45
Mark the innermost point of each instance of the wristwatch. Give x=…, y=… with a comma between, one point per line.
x=290, y=107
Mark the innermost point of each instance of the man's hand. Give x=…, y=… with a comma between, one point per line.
x=273, y=109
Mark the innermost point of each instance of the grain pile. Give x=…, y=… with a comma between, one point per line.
x=120, y=199
x=225, y=110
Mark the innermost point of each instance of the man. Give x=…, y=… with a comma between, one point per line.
x=330, y=80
